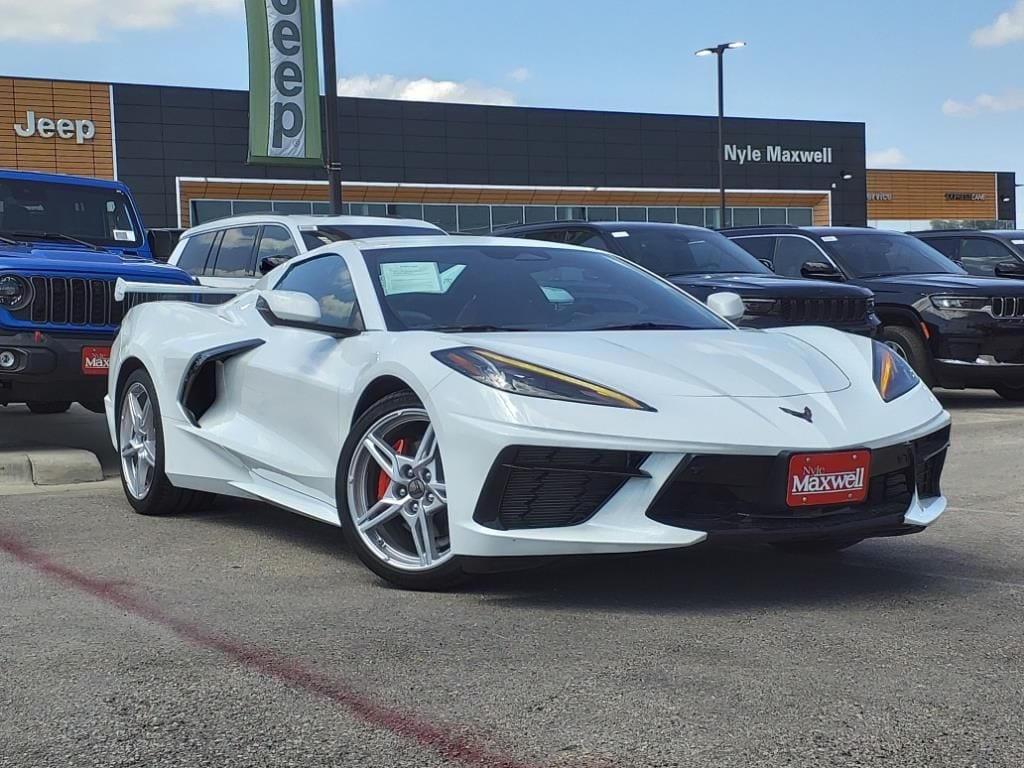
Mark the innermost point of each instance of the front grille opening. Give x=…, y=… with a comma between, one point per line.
x=1008, y=306
x=798, y=310
x=735, y=495
x=541, y=487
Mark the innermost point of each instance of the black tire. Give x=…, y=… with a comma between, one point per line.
x=909, y=345
x=161, y=498
x=1011, y=393
x=442, y=577
x=815, y=547
x=56, y=406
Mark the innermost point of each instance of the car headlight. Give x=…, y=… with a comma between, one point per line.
x=962, y=303
x=522, y=378
x=893, y=375
x=15, y=292
x=760, y=306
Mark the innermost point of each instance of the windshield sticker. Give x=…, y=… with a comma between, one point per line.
x=1017, y=242
x=410, y=277
x=449, y=275
x=124, y=234
x=620, y=234
x=307, y=227
x=830, y=238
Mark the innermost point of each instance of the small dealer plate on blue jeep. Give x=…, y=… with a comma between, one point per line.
x=95, y=361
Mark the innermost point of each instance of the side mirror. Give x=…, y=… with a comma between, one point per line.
x=820, y=270
x=289, y=308
x=728, y=305
x=162, y=242
x=1010, y=269
x=768, y=264
x=270, y=263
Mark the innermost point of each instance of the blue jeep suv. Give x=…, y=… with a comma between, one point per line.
x=64, y=241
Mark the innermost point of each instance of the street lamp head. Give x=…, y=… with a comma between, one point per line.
x=736, y=44
x=704, y=52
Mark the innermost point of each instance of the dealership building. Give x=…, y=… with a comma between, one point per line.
x=469, y=168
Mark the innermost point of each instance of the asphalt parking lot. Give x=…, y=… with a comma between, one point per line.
x=246, y=636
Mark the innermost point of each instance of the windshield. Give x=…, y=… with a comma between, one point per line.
x=324, y=235
x=37, y=210
x=524, y=288
x=890, y=253
x=673, y=250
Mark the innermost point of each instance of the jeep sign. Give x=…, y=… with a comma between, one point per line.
x=62, y=128
x=284, y=90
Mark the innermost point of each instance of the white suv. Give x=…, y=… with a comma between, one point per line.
x=236, y=251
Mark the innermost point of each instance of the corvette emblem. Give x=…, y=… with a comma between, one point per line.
x=805, y=414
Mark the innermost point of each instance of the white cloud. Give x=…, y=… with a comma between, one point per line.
x=520, y=74
x=83, y=21
x=886, y=158
x=423, y=89
x=1007, y=28
x=1011, y=101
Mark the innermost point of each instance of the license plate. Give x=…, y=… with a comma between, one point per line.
x=95, y=361
x=828, y=478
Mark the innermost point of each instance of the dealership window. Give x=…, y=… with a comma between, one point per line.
x=208, y=210
x=745, y=217
x=241, y=207
x=570, y=213
x=539, y=213
x=474, y=218
x=506, y=215
x=632, y=213
x=444, y=216
x=602, y=213
x=800, y=217
x=693, y=216
x=480, y=219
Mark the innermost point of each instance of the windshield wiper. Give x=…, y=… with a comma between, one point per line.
x=56, y=236
x=646, y=326
x=8, y=241
x=472, y=329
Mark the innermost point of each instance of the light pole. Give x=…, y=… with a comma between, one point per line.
x=719, y=51
x=331, y=104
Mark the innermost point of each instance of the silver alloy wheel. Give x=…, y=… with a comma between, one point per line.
x=407, y=525
x=896, y=347
x=137, y=440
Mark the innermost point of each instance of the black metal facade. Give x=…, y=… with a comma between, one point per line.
x=166, y=132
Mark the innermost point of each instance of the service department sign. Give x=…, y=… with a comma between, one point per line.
x=284, y=90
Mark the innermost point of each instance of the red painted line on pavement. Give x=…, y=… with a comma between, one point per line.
x=436, y=738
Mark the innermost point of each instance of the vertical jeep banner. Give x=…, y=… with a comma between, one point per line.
x=284, y=88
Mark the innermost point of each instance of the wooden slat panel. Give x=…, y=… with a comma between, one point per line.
x=922, y=195
x=56, y=100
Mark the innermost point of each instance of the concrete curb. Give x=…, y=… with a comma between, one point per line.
x=49, y=466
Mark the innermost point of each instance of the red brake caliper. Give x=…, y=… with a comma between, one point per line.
x=383, y=481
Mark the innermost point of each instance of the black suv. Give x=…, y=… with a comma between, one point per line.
x=702, y=262
x=992, y=253
x=957, y=330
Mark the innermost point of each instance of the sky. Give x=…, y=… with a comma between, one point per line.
x=939, y=83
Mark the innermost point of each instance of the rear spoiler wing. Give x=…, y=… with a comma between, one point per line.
x=123, y=287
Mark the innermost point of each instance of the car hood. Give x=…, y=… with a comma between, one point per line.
x=652, y=364
x=969, y=284
x=74, y=260
x=768, y=285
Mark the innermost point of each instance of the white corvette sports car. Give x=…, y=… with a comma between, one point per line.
x=452, y=401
